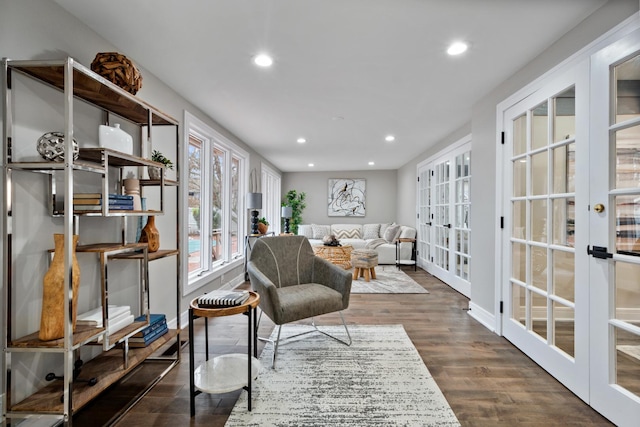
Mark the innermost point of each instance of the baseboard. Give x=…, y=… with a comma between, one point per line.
x=485, y=318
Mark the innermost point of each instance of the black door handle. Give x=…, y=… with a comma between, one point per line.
x=599, y=252
x=447, y=225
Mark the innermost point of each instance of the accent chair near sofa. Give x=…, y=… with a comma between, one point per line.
x=294, y=284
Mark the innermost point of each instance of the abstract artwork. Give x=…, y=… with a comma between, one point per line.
x=346, y=197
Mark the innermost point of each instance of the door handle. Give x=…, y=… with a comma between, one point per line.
x=599, y=252
x=447, y=225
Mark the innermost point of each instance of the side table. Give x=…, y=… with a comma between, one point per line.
x=413, y=260
x=223, y=374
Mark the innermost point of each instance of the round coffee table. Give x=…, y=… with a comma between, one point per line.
x=338, y=255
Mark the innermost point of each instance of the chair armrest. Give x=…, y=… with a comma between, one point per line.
x=267, y=290
x=334, y=277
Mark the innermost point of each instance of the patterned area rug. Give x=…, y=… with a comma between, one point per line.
x=380, y=380
x=389, y=280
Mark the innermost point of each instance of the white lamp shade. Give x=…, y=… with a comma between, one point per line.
x=254, y=200
x=287, y=212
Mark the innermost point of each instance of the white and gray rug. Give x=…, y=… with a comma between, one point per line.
x=389, y=280
x=380, y=380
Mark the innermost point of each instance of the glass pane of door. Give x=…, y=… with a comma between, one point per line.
x=462, y=207
x=441, y=220
x=543, y=221
x=424, y=216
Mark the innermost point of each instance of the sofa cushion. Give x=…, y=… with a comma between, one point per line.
x=407, y=232
x=319, y=231
x=370, y=231
x=305, y=230
x=374, y=243
x=391, y=233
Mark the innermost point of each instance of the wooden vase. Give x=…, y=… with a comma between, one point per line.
x=150, y=235
x=52, y=317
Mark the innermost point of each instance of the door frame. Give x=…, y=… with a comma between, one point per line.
x=460, y=285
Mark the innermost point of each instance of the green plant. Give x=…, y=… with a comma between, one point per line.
x=157, y=156
x=297, y=203
x=263, y=220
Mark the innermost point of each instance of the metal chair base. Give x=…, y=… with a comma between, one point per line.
x=315, y=329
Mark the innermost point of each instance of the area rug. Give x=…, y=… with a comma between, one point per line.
x=389, y=280
x=380, y=380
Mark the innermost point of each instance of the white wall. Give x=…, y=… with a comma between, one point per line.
x=381, y=195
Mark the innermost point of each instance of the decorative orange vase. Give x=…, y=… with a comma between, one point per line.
x=262, y=228
x=52, y=317
x=150, y=235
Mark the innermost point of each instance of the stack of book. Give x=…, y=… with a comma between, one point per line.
x=157, y=328
x=121, y=202
x=93, y=202
x=222, y=299
x=119, y=317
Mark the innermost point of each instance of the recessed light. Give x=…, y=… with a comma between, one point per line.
x=263, y=60
x=457, y=48
x=310, y=165
x=301, y=140
x=371, y=163
x=389, y=138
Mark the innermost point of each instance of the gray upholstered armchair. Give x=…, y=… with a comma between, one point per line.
x=294, y=284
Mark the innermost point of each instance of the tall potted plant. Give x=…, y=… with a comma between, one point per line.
x=297, y=203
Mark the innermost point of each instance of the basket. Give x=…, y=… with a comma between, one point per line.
x=119, y=70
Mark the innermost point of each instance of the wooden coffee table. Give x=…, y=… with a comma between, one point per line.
x=338, y=255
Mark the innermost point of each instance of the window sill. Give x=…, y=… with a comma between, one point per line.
x=195, y=283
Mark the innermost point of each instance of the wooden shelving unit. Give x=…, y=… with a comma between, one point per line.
x=79, y=84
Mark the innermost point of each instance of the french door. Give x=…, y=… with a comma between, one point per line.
x=614, y=264
x=443, y=217
x=571, y=270
x=546, y=228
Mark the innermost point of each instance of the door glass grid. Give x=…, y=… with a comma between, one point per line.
x=462, y=207
x=625, y=197
x=543, y=215
x=424, y=218
x=441, y=222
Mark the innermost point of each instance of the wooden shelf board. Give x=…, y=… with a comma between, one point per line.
x=110, y=247
x=161, y=253
x=82, y=334
x=116, y=158
x=107, y=368
x=94, y=89
x=56, y=166
x=156, y=182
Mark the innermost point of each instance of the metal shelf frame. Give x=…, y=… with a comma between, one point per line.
x=79, y=83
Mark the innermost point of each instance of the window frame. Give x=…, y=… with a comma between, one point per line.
x=210, y=270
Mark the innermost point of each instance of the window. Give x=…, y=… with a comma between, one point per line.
x=216, y=177
x=271, y=202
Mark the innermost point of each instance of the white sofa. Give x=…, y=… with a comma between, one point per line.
x=380, y=237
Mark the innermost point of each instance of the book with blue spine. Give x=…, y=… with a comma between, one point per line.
x=156, y=321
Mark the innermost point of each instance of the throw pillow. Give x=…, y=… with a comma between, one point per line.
x=383, y=228
x=319, y=231
x=371, y=231
x=391, y=233
x=305, y=230
x=342, y=233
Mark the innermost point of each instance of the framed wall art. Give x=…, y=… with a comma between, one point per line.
x=346, y=197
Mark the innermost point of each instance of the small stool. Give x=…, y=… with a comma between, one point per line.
x=364, y=263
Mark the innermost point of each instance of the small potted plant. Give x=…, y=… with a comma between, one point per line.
x=263, y=225
x=156, y=156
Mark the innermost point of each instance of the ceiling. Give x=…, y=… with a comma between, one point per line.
x=346, y=73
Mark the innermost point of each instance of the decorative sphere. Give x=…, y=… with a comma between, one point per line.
x=51, y=147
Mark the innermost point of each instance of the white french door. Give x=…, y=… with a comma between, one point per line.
x=614, y=265
x=546, y=312
x=443, y=216
x=571, y=239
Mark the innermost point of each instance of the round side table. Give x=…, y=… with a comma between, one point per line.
x=224, y=373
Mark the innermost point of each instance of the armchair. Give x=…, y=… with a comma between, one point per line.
x=294, y=284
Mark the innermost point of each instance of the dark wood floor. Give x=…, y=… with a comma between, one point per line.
x=487, y=381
